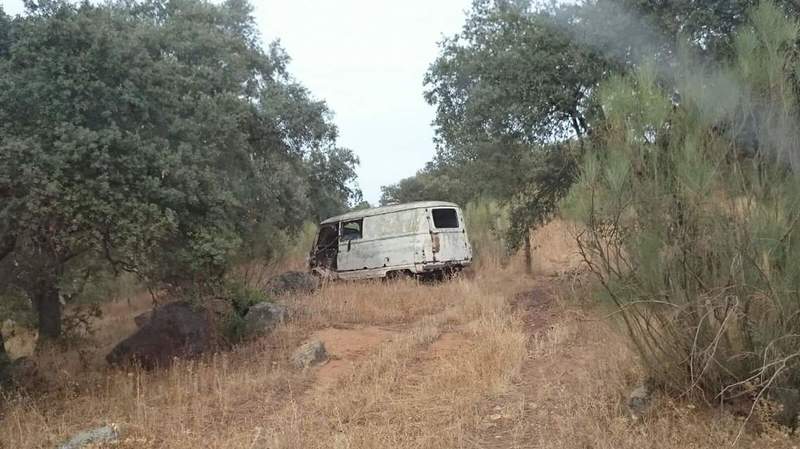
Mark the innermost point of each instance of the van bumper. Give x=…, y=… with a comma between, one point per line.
x=438, y=266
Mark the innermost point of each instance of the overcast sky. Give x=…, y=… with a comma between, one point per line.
x=367, y=60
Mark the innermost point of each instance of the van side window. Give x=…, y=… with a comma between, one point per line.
x=351, y=230
x=445, y=218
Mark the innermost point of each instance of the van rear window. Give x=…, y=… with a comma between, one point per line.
x=445, y=218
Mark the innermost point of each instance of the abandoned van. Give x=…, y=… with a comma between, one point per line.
x=424, y=239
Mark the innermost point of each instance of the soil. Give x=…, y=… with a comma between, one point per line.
x=345, y=348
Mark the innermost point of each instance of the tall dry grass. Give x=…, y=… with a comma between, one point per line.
x=449, y=365
x=399, y=393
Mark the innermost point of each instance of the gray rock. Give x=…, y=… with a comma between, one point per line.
x=308, y=354
x=639, y=400
x=105, y=434
x=292, y=282
x=263, y=317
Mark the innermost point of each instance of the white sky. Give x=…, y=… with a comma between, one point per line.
x=367, y=60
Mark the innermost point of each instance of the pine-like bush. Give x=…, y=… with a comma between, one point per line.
x=691, y=202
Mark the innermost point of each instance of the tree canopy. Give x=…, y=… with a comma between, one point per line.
x=512, y=90
x=151, y=137
x=515, y=91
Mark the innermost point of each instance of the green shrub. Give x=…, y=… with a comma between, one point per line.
x=487, y=224
x=241, y=296
x=691, y=208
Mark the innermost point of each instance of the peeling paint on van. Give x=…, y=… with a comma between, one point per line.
x=426, y=238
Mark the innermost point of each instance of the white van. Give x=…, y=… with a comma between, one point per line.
x=426, y=238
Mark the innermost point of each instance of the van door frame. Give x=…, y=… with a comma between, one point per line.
x=345, y=249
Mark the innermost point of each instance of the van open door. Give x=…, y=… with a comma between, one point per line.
x=324, y=255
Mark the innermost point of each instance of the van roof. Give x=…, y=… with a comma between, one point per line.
x=387, y=210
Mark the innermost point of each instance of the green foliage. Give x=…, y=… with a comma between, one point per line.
x=487, y=222
x=712, y=30
x=511, y=73
x=241, y=296
x=330, y=173
x=691, y=212
x=512, y=91
x=429, y=184
x=155, y=138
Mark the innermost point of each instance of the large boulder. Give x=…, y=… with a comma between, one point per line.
x=177, y=329
x=263, y=317
x=292, y=282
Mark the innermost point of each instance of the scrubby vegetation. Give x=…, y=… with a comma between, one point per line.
x=691, y=206
x=158, y=138
x=642, y=155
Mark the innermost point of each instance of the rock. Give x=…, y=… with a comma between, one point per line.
x=105, y=434
x=175, y=330
x=218, y=310
x=292, y=282
x=263, y=317
x=308, y=354
x=639, y=400
x=142, y=318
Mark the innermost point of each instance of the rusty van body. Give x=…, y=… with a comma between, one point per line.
x=423, y=239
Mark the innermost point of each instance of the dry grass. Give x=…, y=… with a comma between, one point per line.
x=572, y=392
x=555, y=248
x=252, y=398
x=454, y=365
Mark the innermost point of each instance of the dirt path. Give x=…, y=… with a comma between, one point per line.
x=559, y=369
x=347, y=347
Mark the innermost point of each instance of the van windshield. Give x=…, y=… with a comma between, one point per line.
x=445, y=218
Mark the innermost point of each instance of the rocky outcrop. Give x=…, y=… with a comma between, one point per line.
x=177, y=329
x=308, y=354
x=292, y=282
x=263, y=317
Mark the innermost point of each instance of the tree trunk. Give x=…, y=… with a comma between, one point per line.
x=48, y=310
x=528, y=255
